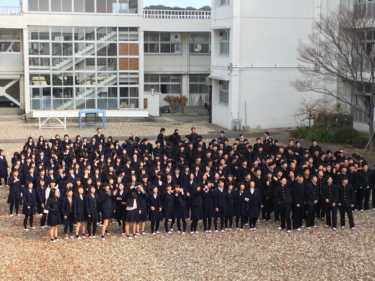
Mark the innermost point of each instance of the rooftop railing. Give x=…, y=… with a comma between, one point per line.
x=10, y=10
x=176, y=14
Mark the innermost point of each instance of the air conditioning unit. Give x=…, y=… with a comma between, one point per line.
x=197, y=48
x=175, y=37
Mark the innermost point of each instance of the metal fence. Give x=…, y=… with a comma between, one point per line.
x=10, y=10
x=176, y=14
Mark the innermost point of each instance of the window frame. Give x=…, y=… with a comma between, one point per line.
x=224, y=91
x=159, y=43
x=226, y=41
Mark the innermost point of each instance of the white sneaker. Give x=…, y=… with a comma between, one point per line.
x=26, y=229
x=353, y=227
x=226, y=228
x=154, y=234
x=123, y=234
x=315, y=226
x=222, y=231
x=32, y=227
x=53, y=241
x=66, y=237
x=334, y=228
x=308, y=227
x=191, y=232
x=326, y=225
x=79, y=237
x=206, y=231
x=298, y=229
x=342, y=226
x=196, y=232
x=183, y=233
x=241, y=229
x=216, y=230
x=169, y=232
x=229, y=229
x=209, y=231
x=250, y=229
x=157, y=232
x=109, y=234
x=238, y=228
x=11, y=215
x=279, y=228
x=288, y=231
x=254, y=229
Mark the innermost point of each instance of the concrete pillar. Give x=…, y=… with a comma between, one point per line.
x=22, y=90
x=141, y=67
x=26, y=70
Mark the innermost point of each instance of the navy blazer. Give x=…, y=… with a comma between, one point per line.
x=78, y=206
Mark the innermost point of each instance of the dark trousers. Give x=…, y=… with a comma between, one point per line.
x=310, y=216
x=221, y=223
x=11, y=208
x=331, y=213
x=5, y=179
x=298, y=215
x=348, y=210
x=26, y=219
x=275, y=204
x=68, y=226
x=364, y=193
x=205, y=226
x=253, y=221
x=320, y=212
x=373, y=197
x=267, y=209
x=285, y=215
x=154, y=227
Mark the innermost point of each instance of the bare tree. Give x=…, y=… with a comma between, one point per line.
x=318, y=111
x=340, y=49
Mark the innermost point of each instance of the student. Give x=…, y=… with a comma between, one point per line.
x=29, y=205
x=231, y=200
x=15, y=192
x=155, y=206
x=79, y=212
x=132, y=210
x=220, y=204
x=54, y=217
x=330, y=196
x=4, y=168
x=253, y=205
x=240, y=206
x=40, y=201
x=67, y=212
x=180, y=205
x=207, y=206
x=142, y=206
x=120, y=200
x=299, y=199
x=284, y=195
x=196, y=208
x=92, y=210
x=168, y=206
x=108, y=207
x=312, y=197
x=346, y=201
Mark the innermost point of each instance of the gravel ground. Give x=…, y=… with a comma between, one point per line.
x=267, y=254
x=17, y=129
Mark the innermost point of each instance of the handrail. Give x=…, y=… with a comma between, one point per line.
x=10, y=10
x=176, y=14
x=77, y=40
x=100, y=70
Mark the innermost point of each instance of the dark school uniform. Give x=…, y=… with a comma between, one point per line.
x=220, y=202
x=346, y=199
x=330, y=193
x=120, y=198
x=208, y=197
x=231, y=200
x=67, y=210
x=168, y=205
x=196, y=205
x=15, y=190
x=180, y=205
x=40, y=199
x=79, y=208
x=240, y=210
x=131, y=202
x=3, y=168
x=253, y=206
x=107, y=205
x=142, y=205
x=54, y=216
x=29, y=200
x=92, y=208
x=156, y=202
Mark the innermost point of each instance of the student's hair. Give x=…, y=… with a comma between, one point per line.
x=27, y=184
x=52, y=194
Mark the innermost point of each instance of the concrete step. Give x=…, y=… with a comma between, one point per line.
x=9, y=110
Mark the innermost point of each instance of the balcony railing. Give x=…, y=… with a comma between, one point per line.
x=364, y=9
x=10, y=10
x=176, y=14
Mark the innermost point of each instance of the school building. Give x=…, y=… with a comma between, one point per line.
x=61, y=56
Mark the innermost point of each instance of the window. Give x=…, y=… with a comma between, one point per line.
x=165, y=84
x=224, y=92
x=224, y=2
x=224, y=42
x=197, y=84
x=200, y=43
x=39, y=5
x=10, y=41
x=165, y=43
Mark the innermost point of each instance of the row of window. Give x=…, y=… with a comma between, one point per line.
x=85, y=6
x=10, y=41
x=165, y=42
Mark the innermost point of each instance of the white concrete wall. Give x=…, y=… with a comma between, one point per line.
x=263, y=59
x=153, y=103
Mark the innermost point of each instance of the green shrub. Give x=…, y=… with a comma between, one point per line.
x=360, y=141
x=299, y=132
x=345, y=135
x=320, y=135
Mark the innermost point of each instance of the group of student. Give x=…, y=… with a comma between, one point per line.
x=94, y=182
